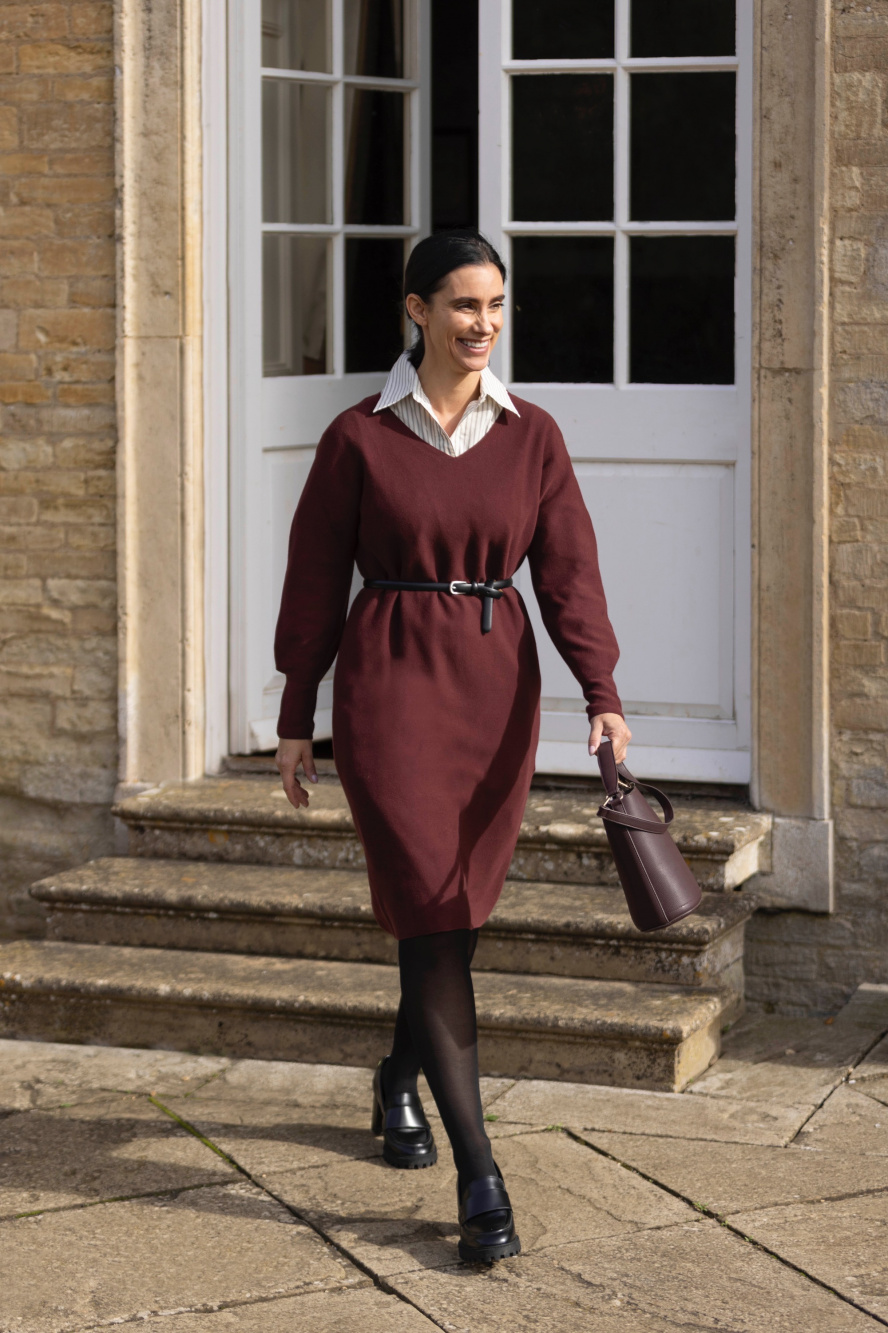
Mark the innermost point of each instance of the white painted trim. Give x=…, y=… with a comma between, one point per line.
x=214, y=125
x=649, y=762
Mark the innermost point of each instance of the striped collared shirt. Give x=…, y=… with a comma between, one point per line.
x=404, y=394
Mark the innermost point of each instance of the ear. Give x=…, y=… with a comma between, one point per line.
x=416, y=308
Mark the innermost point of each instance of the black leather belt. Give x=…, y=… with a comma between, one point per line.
x=489, y=592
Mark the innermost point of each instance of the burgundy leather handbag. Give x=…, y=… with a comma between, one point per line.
x=658, y=884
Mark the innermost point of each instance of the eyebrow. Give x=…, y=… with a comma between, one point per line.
x=459, y=300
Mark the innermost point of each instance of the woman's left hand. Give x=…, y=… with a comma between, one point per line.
x=614, y=727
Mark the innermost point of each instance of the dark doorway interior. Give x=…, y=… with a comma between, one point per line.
x=454, y=113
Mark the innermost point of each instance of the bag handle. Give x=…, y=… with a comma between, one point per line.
x=611, y=774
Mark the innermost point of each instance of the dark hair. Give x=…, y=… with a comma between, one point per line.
x=434, y=258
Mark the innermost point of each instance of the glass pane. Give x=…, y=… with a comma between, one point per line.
x=562, y=147
x=374, y=38
x=295, y=152
x=454, y=116
x=682, y=153
x=562, y=29
x=374, y=325
x=374, y=163
x=296, y=35
x=683, y=28
x=681, y=309
x=563, y=309
x=295, y=282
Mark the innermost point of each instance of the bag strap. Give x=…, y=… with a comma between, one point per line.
x=611, y=775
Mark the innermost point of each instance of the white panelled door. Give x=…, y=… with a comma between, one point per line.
x=328, y=188
x=615, y=173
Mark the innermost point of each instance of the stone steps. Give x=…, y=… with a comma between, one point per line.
x=551, y=929
x=629, y=1034
x=248, y=819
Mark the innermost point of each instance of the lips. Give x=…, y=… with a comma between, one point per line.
x=474, y=346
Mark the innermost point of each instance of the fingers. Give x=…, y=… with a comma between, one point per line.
x=596, y=734
x=614, y=727
x=289, y=755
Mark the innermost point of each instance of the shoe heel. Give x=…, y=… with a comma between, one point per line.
x=376, y=1119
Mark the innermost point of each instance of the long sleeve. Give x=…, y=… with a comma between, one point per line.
x=563, y=558
x=323, y=538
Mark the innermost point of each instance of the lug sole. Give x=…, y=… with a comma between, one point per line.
x=402, y=1164
x=492, y=1253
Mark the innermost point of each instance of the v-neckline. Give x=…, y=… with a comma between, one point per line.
x=453, y=458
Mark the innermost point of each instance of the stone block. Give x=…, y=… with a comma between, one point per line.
x=57, y=126
x=16, y=257
x=84, y=716
x=17, y=366
x=63, y=57
x=76, y=258
x=81, y=592
x=24, y=164
x=9, y=129
x=43, y=681
x=27, y=222
x=849, y=260
x=220, y=1245
x=91, y=18
x=694, y=1275
x=100, y=163
x=24, y=22
x=84, y=88
x=79, y=367
x=858, y=107
x=20, y=592
x=842, y=1242
x=62, y=329
x=105, y=1148
x=79, y=220
x=733, y=1177
x=27, y=392
x=348, y=1310
x=92, y=291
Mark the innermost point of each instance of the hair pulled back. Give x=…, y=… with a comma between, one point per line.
x=437, y=256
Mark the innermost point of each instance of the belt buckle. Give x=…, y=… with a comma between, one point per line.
x=455, y=591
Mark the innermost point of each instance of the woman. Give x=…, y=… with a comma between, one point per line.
x=438, y=488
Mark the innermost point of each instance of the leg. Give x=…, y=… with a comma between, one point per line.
x=439, y=1001
x=403, y=1065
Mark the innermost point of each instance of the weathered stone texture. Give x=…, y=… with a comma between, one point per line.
x=796, y=960
x=58, y=724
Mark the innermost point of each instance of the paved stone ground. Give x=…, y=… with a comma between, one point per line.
x=190, y=1194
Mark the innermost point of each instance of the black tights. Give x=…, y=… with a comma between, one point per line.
x=436, y=1031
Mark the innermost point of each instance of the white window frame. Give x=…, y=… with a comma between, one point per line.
x=720, y=749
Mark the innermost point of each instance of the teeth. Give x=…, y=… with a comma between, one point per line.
x=466, y=343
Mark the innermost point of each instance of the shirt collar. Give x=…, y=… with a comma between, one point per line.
x=403, y=382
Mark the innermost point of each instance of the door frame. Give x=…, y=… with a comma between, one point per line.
x=790, y=253
x=718, y=750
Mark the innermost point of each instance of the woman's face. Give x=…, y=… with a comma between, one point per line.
x=462, y=321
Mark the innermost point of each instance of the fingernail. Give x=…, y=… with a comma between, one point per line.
x=314, y=777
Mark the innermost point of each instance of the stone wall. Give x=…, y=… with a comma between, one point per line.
x=58, y=752
x=796, y=960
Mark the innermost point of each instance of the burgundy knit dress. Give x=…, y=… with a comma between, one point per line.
x=434, y=724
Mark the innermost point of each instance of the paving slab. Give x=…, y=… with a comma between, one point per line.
x=305, y=1085
x=877, y=1088
x=849, y=1121
x=796, y=1061
x=39, y=1073
x=693, y=1276
x=396, y=1220
x=843, y=1242
x=361, y=1310
x=730, y=1177
x=271, y=1116
x=585, y=1106
x=117, y=1262
x=120, y=1146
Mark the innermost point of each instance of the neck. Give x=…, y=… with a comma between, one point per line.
x=448, y=389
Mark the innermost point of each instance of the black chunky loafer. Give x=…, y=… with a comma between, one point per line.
x=486, y=1224
x=407, y=1140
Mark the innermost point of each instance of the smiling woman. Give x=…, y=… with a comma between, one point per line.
x=435, y=724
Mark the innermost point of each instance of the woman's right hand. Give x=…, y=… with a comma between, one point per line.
x=290, y=754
